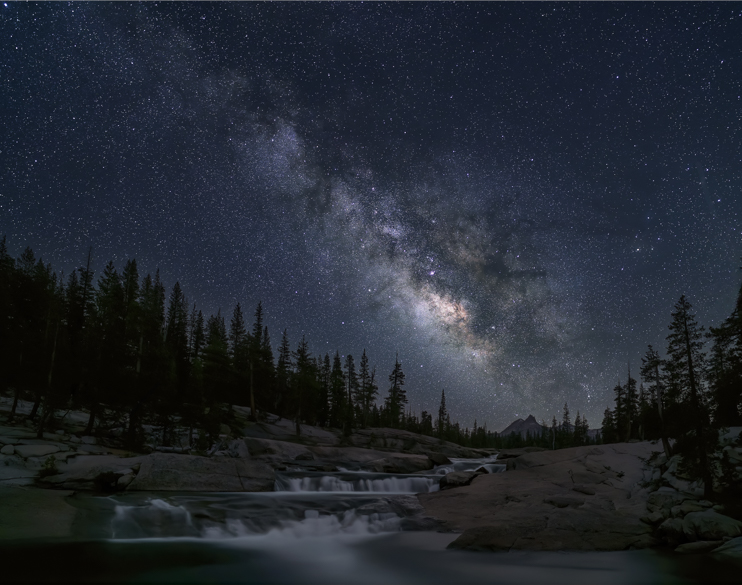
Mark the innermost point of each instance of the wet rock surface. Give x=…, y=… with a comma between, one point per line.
x=164, y=471
x=534, y=505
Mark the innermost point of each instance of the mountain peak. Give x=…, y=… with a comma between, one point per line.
x=522, y=427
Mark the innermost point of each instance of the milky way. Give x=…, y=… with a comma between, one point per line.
x=508, y=196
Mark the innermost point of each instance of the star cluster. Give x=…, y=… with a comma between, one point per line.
x=511, y=196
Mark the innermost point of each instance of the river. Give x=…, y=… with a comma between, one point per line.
x=343, y=527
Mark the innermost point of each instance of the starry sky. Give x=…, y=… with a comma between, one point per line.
x=511, y=196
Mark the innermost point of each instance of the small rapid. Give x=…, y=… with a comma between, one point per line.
x=356, y=482
x=305, y=504
x=159, y=519
x=490, y=465
x=370, y=482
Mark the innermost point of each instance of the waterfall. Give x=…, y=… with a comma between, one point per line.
x=357, y=482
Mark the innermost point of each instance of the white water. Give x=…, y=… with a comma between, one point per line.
x=372, y=483
x=157, y=518
x=490, y=465
x=363, y=481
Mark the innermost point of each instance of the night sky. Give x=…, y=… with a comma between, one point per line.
x=511, y=196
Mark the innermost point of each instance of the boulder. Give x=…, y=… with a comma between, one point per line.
x=710, y=525
x=88, y=440
x=731, y=548
x=439, y=459
x=273, y=450
x=457, y=479
x=653, y=517
x=698, y=547
x=689, y=506
x=731, y=437
x=401, y=463
x=89, y=474
x=170, y=472
x=734, y=453
x=7, y=450
x=124, y=481
x=35, y=450
x=671, y=530
x=665, y=498
x=584, y=489
x=238, y=448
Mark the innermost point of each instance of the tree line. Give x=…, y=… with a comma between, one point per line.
x=119, y=347
x=686, y=397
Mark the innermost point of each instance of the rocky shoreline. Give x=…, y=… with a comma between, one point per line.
x=597, y=498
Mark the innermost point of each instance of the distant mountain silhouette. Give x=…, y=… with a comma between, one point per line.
x=521, y=427
x=531, y=425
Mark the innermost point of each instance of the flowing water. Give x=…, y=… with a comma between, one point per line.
x=343, y=527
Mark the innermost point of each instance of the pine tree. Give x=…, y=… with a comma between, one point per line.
x=367, y=389
x=631, y=408
x=443, y=414
x=337, y=392
x=397, y=397
x=620, y=413
x=176, y=337
x=725, y=371
x=352, y=391
x=7, y=317
x=302, y=381
x=217, y=367
x=268, y=369
x=686, y=362
x=650, y=372
x=255, y=360
x=238, y=340
x=196, y=337
x=323, y=398
x=130, y=284
x=554, y=432
x=566, y=430
x=283, y=372
x=585, y=430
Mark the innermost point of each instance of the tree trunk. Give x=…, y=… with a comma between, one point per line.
x=253, y=412
x=663, y=433
x=131, y=432
x=91, y=419
x=17, y=386
x=708, y=485
x=36, y=404
x=16, y=396
x=47, y=409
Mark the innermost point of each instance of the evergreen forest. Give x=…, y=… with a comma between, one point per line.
x=122, y=348
x=686, y=398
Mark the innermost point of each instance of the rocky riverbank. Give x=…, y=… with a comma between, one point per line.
x=241, y=460
x=599, y=498
x=38, y=476
x=608, y=497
